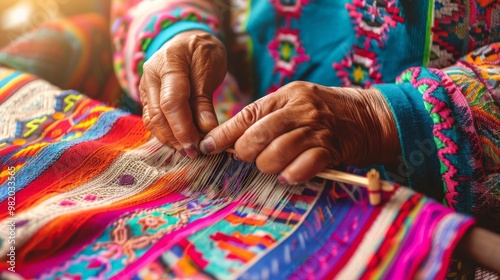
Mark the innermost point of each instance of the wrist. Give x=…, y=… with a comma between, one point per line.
x=389, y=145
x=380, y=127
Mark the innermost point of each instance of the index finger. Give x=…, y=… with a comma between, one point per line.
x=225, y=135
x=175, y=104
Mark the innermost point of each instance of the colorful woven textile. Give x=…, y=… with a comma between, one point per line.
x=91, y=196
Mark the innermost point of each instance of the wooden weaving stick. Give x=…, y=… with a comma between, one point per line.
x=348, y=178
x=352, y=179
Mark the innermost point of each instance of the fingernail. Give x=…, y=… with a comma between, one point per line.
x=207, y=146
x=192, y=151
x=235, y=157
x=182, y=152
x=282, y=180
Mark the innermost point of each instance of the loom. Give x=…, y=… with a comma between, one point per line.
x=97, y=197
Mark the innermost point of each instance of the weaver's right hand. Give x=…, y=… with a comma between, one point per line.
x=177, y=88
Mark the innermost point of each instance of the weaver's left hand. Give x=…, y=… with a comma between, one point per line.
x=303, y=127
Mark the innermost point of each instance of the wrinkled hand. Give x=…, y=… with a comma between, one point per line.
x=303, y=128
x=177, y=87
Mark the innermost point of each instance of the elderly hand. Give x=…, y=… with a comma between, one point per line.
x=303, y=128
x=177, y=87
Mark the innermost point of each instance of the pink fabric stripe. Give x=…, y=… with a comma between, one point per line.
x=417, y=243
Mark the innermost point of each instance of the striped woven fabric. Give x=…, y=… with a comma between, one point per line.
x=87, y=194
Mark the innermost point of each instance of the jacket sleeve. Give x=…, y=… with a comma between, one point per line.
x=140, y=28
x=449, y=125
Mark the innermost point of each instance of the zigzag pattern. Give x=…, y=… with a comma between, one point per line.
x=443, y=119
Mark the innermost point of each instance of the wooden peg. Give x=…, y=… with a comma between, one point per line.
x=374, y=187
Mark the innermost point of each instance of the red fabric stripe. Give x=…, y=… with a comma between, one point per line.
x=14, y=88
x=392, y=231
x=67, y=165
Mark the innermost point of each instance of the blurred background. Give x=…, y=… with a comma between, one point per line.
x=20, y=16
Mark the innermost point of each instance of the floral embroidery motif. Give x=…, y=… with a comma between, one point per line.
x=124, y=243
x=151, y=221
x=287, y=51
x=289, y=8
x=372, y=23
x=360, y=69
x=286, y=48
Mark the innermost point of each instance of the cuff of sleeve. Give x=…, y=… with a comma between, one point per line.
x=419, y=163
x=171, y=31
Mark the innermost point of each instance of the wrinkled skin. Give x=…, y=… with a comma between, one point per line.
x=304, y=127
x=177, y=89
x=296, y=131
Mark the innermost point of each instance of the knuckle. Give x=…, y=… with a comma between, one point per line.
x=312, y=88
x=156, y=118
x=168, y=104
x=269, y=167
x=204, y=39
x=246, y=156
x=249, y=114
x=147, y=123
x=225, y=134
x=277, y=152
x=301, y=86
x=201, y=37
x=182, y=134
x=264, y=167
x=314, y=113
x=295, y=85
x=201, y=99
x=244, y=151
x=305, y=90
x=258, y=136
